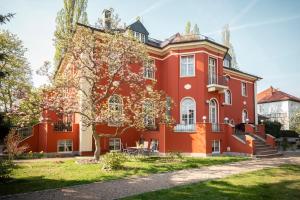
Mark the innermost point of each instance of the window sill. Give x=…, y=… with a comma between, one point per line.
x=188, y=76
x=227, y=104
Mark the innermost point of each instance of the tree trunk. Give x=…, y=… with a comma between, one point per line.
x=97, y=145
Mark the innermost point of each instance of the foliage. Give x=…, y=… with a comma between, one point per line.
x=288, y=133
x=6, y=167
x=6, y=18
x=113, y=161
x=74, y=11
x=115, y=21
x=188, y=28
x=12, y=144
x=16, y=81
x=5, y=125
x=280, y=183
x=31, y=155
x=295, y=121
x=226, y=42
x=27, y=175
x=174, y=156
x=196, y=30
x=272, y=128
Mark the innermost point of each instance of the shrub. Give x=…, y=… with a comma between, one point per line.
x=288, y=133
x=273, y=128
x=12, y=141
x=113, y=160
x=174, y=156
x=5, y=170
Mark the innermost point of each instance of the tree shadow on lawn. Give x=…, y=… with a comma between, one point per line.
x=235, y=188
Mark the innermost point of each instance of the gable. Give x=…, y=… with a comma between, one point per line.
x=138, y=27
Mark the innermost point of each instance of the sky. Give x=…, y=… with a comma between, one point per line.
x=265, y=33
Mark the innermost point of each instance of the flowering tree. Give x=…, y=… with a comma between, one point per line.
x=102, y=80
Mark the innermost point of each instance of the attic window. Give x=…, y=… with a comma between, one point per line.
x=139, y=36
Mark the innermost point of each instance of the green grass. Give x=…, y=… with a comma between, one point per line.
x=282, y=183
x=40, y=175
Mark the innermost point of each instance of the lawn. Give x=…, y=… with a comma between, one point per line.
x=32, y=176
x=282, y=183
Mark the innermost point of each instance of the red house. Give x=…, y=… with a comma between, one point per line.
x=210, y=99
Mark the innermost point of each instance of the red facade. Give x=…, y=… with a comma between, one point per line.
x=208, y=126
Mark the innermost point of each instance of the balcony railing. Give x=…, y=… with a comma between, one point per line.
x=62, y=127
x=25, y=132
x=185, y=128
x=217, y=80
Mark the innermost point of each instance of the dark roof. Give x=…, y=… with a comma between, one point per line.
x=272, y=95
x=138, y=27
x=239, y=71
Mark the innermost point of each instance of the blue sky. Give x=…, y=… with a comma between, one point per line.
x=265, y=33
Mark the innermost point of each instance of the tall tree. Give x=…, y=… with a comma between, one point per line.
x=17, y=80
x=5, y=18
x=196, y=30
x=188, y=28
x=106, y=65
x=226, y=42
x=74, y=11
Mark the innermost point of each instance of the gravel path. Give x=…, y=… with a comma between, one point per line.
x=131, y=186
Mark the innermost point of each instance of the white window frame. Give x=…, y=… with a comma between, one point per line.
x=185, y=111
x=114, y=141
x=139, y=36
x=213, y=77
x=214, y=147
x=149, y=119
x=226, y=63
x=226, y=97
x=65, y=146
x=187, y=74
x=119, y=112
x=244, y=120
x=244, y=89
x=149, y=70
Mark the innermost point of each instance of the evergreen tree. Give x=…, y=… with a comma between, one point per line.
x=196, y=30
x=188, y=28
x=227, y=43
x=74, y=11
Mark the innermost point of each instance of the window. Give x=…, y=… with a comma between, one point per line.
x=115, y=144
x=115, y=106
x=244, y=89
x=65, y=146
x=226, y=63
x=149, y=120
x=227, y=97
x=212, y=71
x=244, y=116
x=215, y=146
x=149, y=70
x=188, y=111
x=187, y=66
x=154, y=145
x=139, y=36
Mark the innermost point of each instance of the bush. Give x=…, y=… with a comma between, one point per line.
x=12, y=143
x=113, y=160
x=174, y=156
x=272, y=128
x=288, y=133
x=6, y=167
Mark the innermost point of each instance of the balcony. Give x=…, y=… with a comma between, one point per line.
x=217, y=84
x=185, y=128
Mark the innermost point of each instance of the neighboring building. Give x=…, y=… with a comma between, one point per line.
x=278, y=106
x=205, y=93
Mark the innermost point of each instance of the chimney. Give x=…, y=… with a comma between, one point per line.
x=107, y=18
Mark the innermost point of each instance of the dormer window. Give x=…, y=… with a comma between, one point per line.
x=139, y=36
x=226, y=63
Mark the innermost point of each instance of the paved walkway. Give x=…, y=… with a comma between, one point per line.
x=131, y=186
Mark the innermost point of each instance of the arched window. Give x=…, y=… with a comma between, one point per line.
x=213, y=114
x=244, y=116
x=188, y=111
x=115, y=106
x=227, y=96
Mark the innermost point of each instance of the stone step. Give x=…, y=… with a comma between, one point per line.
x=266, y=152
x=261, y=148
x=269, y=155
